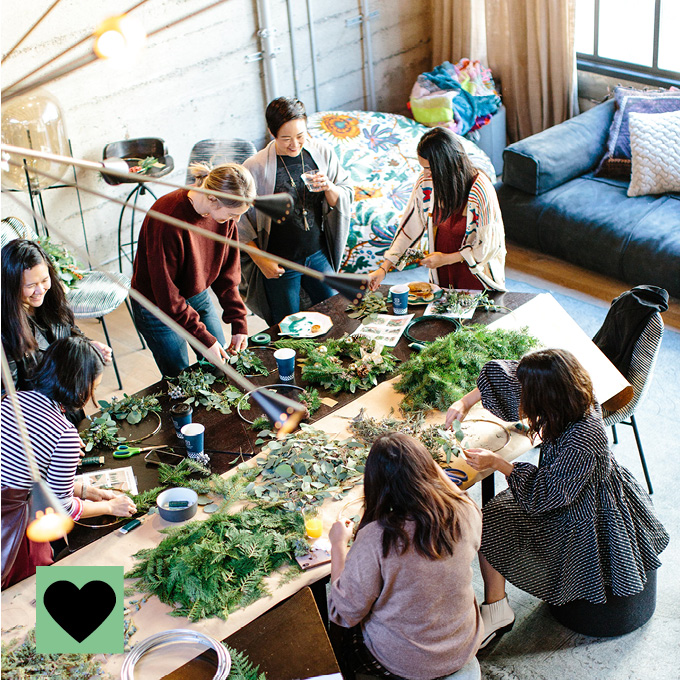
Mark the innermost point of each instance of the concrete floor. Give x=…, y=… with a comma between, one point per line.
x=539, y=648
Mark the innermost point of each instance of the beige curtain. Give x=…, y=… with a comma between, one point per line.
x=530, y=50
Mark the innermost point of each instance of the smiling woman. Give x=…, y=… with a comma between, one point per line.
x=34, y=309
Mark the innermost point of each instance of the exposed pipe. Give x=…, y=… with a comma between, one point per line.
x=266, y=33
x=368, y=43
x=312, y=47
x=293, y=51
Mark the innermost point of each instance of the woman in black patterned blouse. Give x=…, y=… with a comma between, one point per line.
x=577, y=523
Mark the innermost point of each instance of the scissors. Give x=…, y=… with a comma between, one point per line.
x=125, y=451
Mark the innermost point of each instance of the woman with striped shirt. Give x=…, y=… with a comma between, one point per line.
x=455, y=206
x=576, y=524
x=65, y=380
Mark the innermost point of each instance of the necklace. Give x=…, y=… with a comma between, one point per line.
x=302, y=198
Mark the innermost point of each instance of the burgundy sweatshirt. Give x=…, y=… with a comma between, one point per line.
x=174, y=264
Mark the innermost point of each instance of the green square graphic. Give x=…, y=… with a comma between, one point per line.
x=83, y=603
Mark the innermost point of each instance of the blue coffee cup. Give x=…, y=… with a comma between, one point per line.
x=399, y=294
x=181, y=416
x=285, y=361
x=193, y=438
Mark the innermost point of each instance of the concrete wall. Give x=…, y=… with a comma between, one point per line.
x=193, y=81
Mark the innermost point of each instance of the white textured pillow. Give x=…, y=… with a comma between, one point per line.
x=655, y=152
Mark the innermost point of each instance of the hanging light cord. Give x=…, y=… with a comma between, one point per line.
x=174, y=636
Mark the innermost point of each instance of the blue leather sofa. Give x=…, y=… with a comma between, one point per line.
x=551, y=202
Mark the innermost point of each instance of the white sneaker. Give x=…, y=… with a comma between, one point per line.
x=498, y=618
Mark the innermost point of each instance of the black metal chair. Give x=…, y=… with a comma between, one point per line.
x=639, y=375
x=217, y=151
x=133, y=151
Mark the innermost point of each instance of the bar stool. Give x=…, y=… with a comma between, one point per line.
x=132, y=151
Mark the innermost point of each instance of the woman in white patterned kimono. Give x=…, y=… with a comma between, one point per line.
x=576, y=524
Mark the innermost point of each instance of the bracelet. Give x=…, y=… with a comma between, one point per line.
x=83, y=490
x=383, y=268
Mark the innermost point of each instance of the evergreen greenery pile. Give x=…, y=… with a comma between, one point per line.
x=246, y=362
x=242, y=668
x=195, y=387
x=21, y=661
x=448, y=368
x=213, y=567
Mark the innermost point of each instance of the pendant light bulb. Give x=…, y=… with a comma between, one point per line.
x=120, y=36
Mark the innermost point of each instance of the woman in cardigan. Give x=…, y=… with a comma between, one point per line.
x=66, y=378
x=462, y=221
x=174, y=268
x=314, y=234
x=404, y=590
x=577, y=523
x=34, y=309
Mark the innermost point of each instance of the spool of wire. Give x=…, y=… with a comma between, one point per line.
x=173, y=636
x=261, y=339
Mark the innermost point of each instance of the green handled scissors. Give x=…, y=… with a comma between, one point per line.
x=125, y=451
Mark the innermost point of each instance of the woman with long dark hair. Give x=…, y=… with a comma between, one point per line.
x=455, y=206
x=405, y=588
x=573, y=525
x=65, y=380
x=174, y=268
x=314, y=234
x=34, y=309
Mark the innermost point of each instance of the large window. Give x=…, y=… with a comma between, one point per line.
x=630, y=39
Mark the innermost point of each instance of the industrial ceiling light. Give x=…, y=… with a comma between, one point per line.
x=118, y=37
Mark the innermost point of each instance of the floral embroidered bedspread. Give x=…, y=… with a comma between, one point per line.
x=379, y=151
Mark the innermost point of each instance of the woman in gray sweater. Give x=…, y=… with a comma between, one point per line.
x=404, y=589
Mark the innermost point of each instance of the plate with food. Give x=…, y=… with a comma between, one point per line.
x=422, y=292
x=305, y=325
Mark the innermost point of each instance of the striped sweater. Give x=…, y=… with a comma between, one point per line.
x=56, y=446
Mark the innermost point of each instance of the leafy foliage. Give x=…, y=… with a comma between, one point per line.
x=103, y=432
x=373, y=303
x=300, y=345
x=242, y=668
x=306, y=468
x=447, y=368
x=67, y=267
x=131, y=407
x=21, y=661
x=324, y=365
x=195, y=386
x=458, y=302
x=213, y=567
x=246, y=362
x=410, y=256
x=311, y=399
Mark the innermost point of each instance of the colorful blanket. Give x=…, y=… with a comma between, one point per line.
x=379, y=150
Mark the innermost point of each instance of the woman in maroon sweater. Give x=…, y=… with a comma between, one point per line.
x=174, y=268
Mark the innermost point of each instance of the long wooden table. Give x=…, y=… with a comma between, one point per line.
x=541, y=314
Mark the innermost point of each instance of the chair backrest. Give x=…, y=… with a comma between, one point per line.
x=13, y=228
x=639, y=373
x=217, y=151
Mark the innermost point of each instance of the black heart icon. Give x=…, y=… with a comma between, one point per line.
x=79, y=611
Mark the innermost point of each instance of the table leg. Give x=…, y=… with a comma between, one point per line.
x=488, y=489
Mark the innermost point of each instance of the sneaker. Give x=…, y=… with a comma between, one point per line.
x=498, y=618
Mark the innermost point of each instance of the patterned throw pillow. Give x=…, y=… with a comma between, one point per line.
x=655, y=147
x=617, y=160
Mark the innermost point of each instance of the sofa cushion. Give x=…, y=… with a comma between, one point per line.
x=545, y=160
x=616, y=161
x=592, y=223
x=655, y=147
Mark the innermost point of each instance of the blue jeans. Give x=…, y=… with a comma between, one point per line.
x=170, y=351
x=283, y=293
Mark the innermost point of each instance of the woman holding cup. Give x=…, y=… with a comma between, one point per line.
x=314, y=234
x=462, y=220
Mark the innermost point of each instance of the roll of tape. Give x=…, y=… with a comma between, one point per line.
x=261, y=339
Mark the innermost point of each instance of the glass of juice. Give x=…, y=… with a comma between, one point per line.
x=313, y=522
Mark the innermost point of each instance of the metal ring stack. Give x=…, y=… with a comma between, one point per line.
x=173, y=636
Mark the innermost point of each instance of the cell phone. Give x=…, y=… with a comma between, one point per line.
x=158, y=456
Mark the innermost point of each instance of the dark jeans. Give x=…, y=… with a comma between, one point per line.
x=170, y=351
x=283, y=293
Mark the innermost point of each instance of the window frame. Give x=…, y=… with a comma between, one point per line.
x=649, y=75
